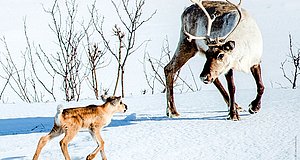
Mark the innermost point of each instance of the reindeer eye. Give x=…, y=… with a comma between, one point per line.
x=220, y=56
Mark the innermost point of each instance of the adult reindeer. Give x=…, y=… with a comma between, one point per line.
x=230, y=39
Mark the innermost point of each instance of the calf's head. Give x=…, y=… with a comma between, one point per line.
x=218, y=61
x=115, y=104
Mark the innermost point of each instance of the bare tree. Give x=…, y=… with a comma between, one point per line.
x=120, y=35
x=95, y=57
x=157, y=67
x=67, y=61
x=22, y=78
x=8, y=75
x=132, y=22
x=35, y=76
x=194, y=79
x=15, y=75
x=96, y=61
x=293, y=58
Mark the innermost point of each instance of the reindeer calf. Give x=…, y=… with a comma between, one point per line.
x=71, y=120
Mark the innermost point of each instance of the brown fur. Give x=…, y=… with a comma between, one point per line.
x=222, y=7
x=92, y=117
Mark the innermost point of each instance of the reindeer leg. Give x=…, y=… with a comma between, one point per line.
x=224, y=93
x=56, y=131
x=96, y=135
x=255, y=105
x=233, y=113
x=184, y=52
x=70, y=133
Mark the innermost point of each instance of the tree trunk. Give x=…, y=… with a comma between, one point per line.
x=295, y=78
x=122, y=81
x=117, y=81
x=95, y=83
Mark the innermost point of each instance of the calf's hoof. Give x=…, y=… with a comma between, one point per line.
x=90, y=157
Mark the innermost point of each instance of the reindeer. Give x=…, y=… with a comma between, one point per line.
x=71, y=120
x=230, y=39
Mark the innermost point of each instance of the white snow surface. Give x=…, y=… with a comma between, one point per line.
x=145, y=133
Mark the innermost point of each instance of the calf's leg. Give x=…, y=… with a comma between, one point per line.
x=56, y=131
x=70, y=133
x=96, y=135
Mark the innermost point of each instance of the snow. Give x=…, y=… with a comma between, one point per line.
x=144, y=132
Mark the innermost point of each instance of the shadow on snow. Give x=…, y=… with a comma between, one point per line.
x=14, y=158
x=16, y=126
x=44, y=124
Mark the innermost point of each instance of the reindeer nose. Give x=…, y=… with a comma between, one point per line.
x=125, y=107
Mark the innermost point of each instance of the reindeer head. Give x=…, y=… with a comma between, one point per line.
x=114, y=104
x=219, y=49
x=218, y=61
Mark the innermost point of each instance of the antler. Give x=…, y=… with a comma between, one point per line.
x=209, y=24
x=238, y=8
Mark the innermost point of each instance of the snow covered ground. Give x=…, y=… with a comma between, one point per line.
x=144, y=132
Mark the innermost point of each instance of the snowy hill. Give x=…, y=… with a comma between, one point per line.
x=144, y=132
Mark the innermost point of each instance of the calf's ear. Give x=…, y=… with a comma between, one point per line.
x=104, y=97
x=113, y=100
x=229, y=46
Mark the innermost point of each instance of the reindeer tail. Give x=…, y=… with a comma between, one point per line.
x=60, y=109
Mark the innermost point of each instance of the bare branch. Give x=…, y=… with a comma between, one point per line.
x=130, y=17
x=294, y=59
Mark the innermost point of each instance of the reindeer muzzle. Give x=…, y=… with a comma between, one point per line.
x=125, y=108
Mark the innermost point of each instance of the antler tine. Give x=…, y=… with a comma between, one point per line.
x=191, y=37
x=209, y=19
x=209, y=22
x=238, y=7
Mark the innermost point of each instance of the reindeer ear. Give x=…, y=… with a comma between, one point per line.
x=104, y=97
x=113, y=100
x=229, y=46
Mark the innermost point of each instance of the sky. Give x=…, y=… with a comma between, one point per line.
x=276, y=21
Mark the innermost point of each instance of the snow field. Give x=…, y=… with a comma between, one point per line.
x=202, y=131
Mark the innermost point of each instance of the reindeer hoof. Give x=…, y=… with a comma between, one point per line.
x=90, y=157
x=252, y=109
x=176, y=115
x=234, y=116
x=239, y=108
x=172, y=115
